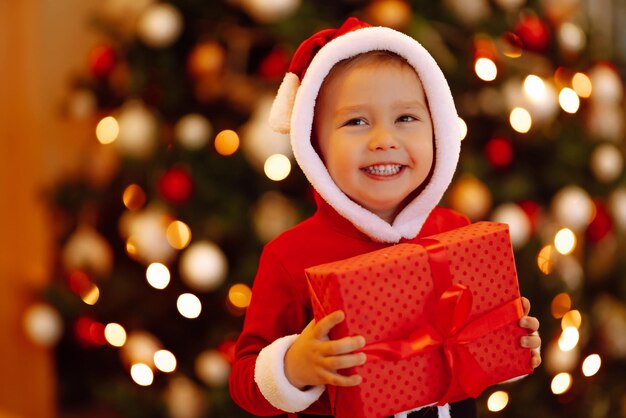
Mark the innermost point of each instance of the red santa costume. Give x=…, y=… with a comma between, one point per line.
x=341, y=228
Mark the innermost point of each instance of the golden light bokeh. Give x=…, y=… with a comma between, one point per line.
x=581, y=84
x=497, y=401
x=107, y=130
x=134, y=197
x=560, y=305
x=572, y=318
x=463, y=127
x=91, y=296
x=565, y=241
x=486, y=69
x=189, y=305
x=569, y=339
x=277, y=167
x=165, y=361
x=569, y=101
x=239, y=295
x=520, y=120
x=561, y=383
x=142, y=374
x=178, y=235
x=535, y=87
x=227, y=142
x=158, y=275
x=591, y=365
x=115, y=334
x=545, y=259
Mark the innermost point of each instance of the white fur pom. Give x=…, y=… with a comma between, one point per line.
x=280, y=114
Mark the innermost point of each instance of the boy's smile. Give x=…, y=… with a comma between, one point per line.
x=375, y=133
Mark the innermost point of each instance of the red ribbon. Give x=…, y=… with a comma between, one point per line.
x=450, y=331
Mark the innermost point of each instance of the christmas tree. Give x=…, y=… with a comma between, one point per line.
x=159, y=237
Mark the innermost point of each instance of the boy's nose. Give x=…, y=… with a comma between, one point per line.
x=382, y=139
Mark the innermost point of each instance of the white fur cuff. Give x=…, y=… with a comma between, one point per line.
x=269, y=375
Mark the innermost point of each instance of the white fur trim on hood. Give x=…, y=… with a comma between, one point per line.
x=269, y=375
x=446, y=130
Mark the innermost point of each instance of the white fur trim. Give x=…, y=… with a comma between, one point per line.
x=445, y=126
x=442, y=411
x=280, y=113
x=269, y=375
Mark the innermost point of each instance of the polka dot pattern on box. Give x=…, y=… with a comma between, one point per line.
x=389, y=293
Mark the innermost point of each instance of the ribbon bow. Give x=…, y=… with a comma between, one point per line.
x=451, y=331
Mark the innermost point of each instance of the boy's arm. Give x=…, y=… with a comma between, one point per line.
x=277, y=311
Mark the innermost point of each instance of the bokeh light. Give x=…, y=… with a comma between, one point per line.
x=227, y=142
x=569, y=101
x=486, y=69
x=569, y=338
x=107, y=130
x=189, y=305
x=545, y=259
x=165, y=361
x=158, y=275
x=178, y=235
x=115, y=334
x=581, y=84
x=560, y=305
x=572, y=318
x=497, y=401
x=565, y=241
x=277, y=167
x=561, y=383
x=141, y=374
x=134, y=197
x=520, y=120
x=463, y=127
x=591, y=365
x=239, y=295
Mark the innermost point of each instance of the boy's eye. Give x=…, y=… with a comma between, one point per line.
x=355, y=122
x=406, y=118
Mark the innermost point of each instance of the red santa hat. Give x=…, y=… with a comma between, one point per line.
x=294, y=105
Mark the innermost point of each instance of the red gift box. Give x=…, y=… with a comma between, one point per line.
x=440, y=319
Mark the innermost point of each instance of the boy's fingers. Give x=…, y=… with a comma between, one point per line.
x=337, y=379
x=525, y=305
x=327, y=323
x=529, y=322
x=343, y=345
x=535, y=360
x=531, y=341
x=345, y=361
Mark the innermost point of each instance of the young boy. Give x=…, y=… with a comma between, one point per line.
x=374, y=128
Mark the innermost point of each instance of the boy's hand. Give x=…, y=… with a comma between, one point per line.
x=313, y=359
x=532, y=341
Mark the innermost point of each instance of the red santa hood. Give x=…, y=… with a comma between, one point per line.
x=293, y=108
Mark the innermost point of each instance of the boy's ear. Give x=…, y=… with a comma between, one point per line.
x=280, y=113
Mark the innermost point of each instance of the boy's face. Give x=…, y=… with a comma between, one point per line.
x=375, y=134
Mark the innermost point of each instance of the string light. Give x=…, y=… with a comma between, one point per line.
x=569, y=101
x=165, y=361
x=545, y=259
x=486, y=69
x=497, y=401
x=582, y=85
x=178, y=235
x=227, y=142
x=565, y=241
x=534, y=87
x=158, y=275
x=569, y=338
x=277, y=167
x=561, y=383
x=560, y=305
x=571, y=319
x=189, y=305
x=239, y=295
x=107, y=130
x=134, y=197
x=591, y=365
x=115, y=334
x=520, y=120
x=141, y=374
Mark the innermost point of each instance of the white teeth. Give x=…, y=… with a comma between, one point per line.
x=383, y=170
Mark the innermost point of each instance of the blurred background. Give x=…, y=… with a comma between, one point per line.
x=139, y=182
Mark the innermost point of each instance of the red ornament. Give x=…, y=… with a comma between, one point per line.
x=499, y=152
x=175, y=185
x=601, y=224
x=534, y=33
x=274, y=65
x=532, y=210
x=101, y=60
